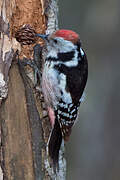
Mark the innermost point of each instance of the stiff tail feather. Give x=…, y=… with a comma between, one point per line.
x=55, y=144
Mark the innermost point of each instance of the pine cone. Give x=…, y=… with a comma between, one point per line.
x=26, y=35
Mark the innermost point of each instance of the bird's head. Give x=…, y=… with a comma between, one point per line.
x=62, y=40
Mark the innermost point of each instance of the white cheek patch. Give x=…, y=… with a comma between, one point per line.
x=71, y=63
x=52, y=52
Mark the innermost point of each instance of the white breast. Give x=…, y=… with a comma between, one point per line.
x=50, y=87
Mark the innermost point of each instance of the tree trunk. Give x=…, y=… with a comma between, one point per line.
x=24, y=129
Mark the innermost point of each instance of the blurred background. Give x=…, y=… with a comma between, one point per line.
x=93, y=152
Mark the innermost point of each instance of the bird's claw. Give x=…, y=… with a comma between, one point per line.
x=37, y=72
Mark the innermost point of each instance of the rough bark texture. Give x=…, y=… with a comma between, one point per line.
x=24, y=131
x=16, y=135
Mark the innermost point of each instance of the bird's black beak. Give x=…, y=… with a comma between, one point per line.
x=42, y=36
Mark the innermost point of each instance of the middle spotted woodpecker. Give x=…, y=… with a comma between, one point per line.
x=64, y=77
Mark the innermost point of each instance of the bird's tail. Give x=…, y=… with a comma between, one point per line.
x=54, y=144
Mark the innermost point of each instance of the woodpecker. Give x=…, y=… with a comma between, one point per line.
x=64, y=77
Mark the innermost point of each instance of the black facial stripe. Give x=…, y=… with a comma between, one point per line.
x=64, y=57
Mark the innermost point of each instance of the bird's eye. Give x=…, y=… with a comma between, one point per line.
x=55, y=41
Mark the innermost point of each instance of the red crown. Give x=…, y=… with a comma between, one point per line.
x=67, y=35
